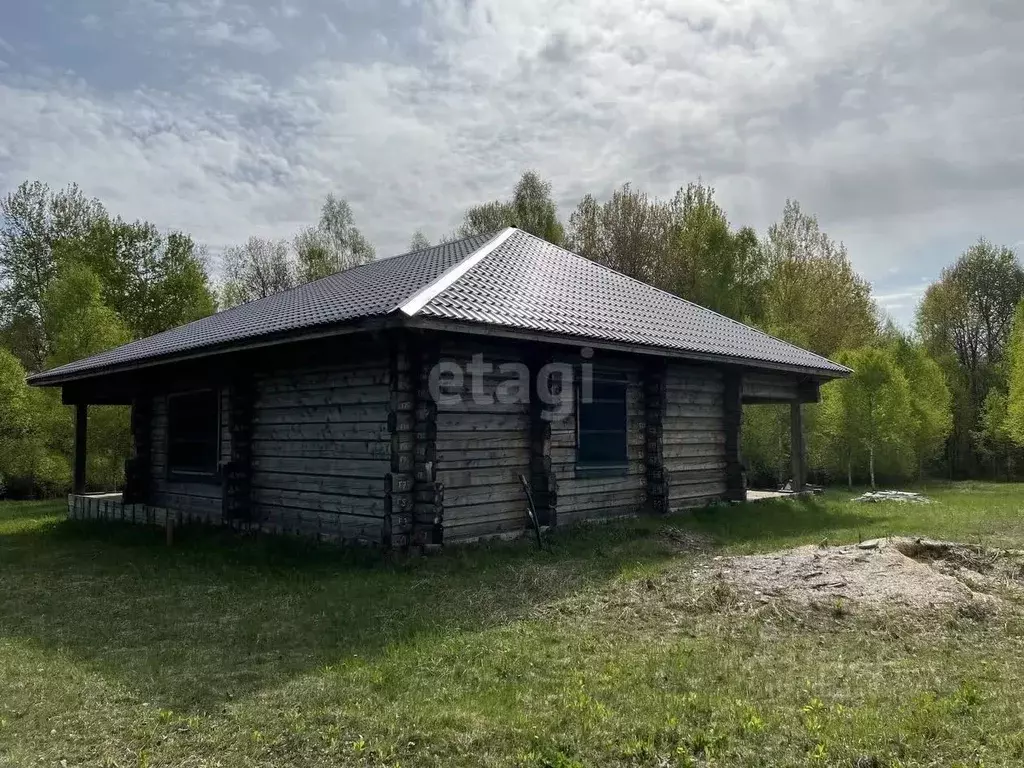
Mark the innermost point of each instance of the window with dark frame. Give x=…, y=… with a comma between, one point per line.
x=193, y=433
x=601, y=428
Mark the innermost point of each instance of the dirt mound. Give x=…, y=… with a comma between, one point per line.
x=917, y=573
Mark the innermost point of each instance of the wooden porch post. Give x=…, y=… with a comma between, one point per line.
x=735, y=477
x=81, y=428
x=798, y=452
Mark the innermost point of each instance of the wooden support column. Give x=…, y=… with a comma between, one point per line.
x=396, y=531
x=237, y=473
x=654, y=393
x=139, y=467
x=798, y=452
x=543, y=483
x=428, y=492
x=735, y=477
x=81, y=434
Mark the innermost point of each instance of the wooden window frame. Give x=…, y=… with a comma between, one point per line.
x=603, y=468
x=211, y=476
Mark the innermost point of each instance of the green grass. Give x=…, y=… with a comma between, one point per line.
x=117, y=650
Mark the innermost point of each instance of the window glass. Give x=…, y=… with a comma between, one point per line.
x=193, y=428
x=601, y=424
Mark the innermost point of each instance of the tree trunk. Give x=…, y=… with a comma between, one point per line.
x=849, y=472
x=871, y=464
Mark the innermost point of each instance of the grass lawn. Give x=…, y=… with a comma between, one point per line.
x=116, y=650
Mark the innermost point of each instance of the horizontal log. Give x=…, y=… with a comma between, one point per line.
x=631, y=499
x=327, y=484
x=471, y=452
x=368, y=373
x=322, y=449
x=335, y=526
x=679, y=505
x=454, y=480
x=335, y=467
x=323, y=398
x=591, y=486
x=198, y=490
x=497, y=439
x=475, y=422
x=687, y=476
x=322, y=431
x=694, y=450
x=482, y=530
x=314, y=502
x=693, y=437
x=500, y=496
x=684, y=411
x=486, y=406
x=680, y=492
x=505, y=518
x=357, y=414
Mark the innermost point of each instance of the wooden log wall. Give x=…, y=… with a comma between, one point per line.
x=397, y=528
x=138, y=467
x=428, y=490
x=321, y=447
x=770, y=386
x=542, y=478
x=653, y=382
x=584, y=495
x=237, y=470
x=735, y=475
x=481, y=449
x=204, y=500
x=694, y=435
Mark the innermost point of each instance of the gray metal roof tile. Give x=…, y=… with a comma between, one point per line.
x=509, y=279
x=531, y=284
x=361, y=292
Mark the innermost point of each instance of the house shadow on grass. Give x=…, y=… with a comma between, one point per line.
x=216, y=616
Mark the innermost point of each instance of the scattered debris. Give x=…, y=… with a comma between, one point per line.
x=875, y=496
x=917, y=573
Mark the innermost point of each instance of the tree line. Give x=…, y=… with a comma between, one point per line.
x=946, y=397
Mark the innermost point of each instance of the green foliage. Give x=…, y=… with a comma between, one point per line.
x=1015, y=384
x=812, y=295
x=77, y=319
x=31, y=432
x=965, y=321
x=708, y=263
x=418, y=241
x=33, y=220
x=531, y=209
x=629, y=233
x=153, y=281
x=867, y=417
x=257, y=269
x=76, y=281
x=930, y=400
x=334, y=244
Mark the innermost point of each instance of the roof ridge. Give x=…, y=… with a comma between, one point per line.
x=678, y=298
x=449, y=277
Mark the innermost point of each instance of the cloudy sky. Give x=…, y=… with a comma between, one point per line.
x=899, y=122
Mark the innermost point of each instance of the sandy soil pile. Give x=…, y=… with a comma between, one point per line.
x=902, y=571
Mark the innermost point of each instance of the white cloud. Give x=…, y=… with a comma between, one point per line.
x=256, y=38
x=898, y=123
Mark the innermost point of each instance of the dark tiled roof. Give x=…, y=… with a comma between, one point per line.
x=366, y=291
x=522, y=283
x=528, y=283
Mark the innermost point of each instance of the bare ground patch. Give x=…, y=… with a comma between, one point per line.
x=916, y=573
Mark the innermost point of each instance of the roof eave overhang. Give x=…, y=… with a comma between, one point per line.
x=398, y=319
x=487, y=329
x=57, y=379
